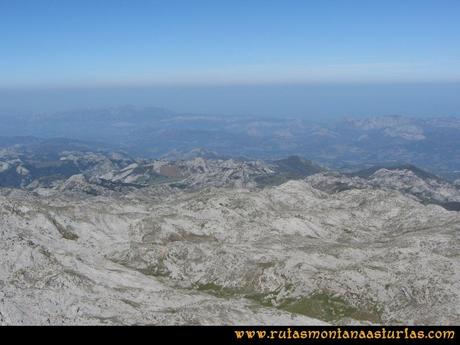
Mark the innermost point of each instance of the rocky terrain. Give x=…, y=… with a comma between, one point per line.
x=20, y=168
x=102, y=238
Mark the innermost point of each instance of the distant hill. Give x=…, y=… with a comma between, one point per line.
x=417, y=171
x=296, y=166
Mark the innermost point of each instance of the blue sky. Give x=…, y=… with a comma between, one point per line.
x=134, y=43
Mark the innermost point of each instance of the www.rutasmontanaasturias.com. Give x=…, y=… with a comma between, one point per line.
x=340, y=333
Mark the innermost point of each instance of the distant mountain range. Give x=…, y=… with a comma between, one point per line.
x=59, y=165
x=350, y=144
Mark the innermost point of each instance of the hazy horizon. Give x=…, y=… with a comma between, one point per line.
x=311, y=101
x=319, y=60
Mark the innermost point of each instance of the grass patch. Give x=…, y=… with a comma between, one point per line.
x=327, y=307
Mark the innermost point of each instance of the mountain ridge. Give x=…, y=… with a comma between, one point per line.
x=430, y=143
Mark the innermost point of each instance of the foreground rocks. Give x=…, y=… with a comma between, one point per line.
x=298, y=253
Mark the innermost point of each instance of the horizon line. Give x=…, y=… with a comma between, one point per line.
x=214, y=83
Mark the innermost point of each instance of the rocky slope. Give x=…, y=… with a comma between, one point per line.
x=58, y=268
x=425, y=187
x=96, y=237
x=294, y=253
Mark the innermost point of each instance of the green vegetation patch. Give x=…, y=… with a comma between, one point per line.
x=324, y=306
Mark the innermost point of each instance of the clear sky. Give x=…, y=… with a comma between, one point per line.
x=115, y=42
x=233, y=56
